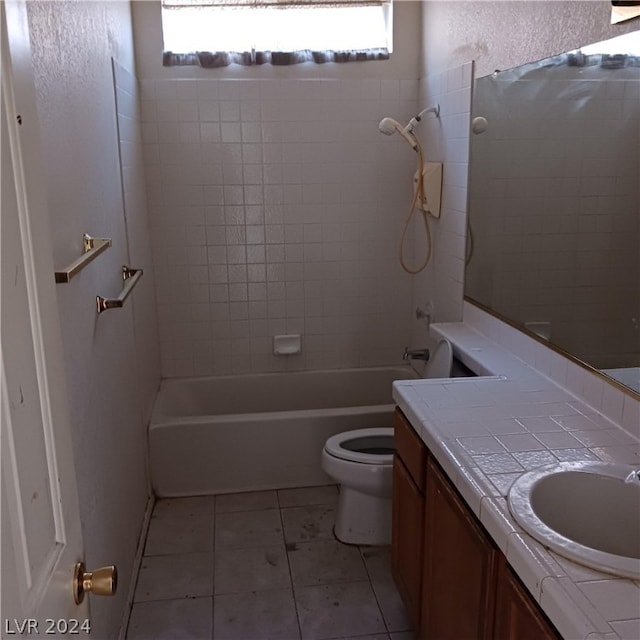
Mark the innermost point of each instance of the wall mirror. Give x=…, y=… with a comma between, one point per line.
x=554, y=202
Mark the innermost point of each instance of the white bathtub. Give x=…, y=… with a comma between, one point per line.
x=264, y=431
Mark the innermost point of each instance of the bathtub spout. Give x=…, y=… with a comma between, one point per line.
x=415, y=354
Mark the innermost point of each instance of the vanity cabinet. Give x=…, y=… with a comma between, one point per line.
x=409, y=465
x=516, y=616
x=454, y=581
x=459, y=566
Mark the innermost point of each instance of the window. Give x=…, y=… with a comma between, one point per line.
x=218, y=32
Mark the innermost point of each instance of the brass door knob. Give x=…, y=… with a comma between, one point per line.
x=102, y=582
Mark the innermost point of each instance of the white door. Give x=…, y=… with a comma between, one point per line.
x=41, y=534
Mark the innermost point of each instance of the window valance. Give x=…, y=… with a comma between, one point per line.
x=217, y=33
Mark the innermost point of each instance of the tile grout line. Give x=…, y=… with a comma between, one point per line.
x=286, y=552
x=213, y=569
x=375, y=594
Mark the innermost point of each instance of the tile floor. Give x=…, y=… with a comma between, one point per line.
x=261, y=565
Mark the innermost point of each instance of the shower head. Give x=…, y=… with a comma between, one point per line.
x=389, y=126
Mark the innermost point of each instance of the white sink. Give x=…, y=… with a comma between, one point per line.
x=584, y=511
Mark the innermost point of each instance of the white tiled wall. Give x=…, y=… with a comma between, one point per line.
x=276, y=207
x=445, y=139
x=555, y=209
x=137, y=236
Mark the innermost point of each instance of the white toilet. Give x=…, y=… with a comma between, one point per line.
x=361, y=461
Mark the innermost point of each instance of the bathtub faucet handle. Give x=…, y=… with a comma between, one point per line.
x=415, y=354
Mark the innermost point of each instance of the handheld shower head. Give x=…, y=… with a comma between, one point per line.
x=389, y=126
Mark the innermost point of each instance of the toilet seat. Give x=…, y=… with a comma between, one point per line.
x=342, y=445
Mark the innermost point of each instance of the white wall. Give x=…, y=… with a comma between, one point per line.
x=500, y=35
x=277, y=206
x=109, y=379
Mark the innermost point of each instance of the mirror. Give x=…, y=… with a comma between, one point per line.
x=554, y=202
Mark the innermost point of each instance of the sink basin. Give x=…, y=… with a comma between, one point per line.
x=584, y=511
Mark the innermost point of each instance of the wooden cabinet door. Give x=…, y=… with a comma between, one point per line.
x=458, y=585
x=410, y=449
x=407, y=539
x=517, y=616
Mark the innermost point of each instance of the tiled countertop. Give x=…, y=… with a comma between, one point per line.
x=487, y=431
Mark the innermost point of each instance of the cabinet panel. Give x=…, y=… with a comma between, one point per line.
x=410, y=448
x=407, y=540
x=517, y=615
x=460, y=564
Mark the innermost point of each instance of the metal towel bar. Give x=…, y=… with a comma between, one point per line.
x=91, y=249
x=130, y=277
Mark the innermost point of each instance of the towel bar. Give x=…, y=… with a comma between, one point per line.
x=130, y=277
x=91, y=249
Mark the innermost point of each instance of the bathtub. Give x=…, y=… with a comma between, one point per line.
x=262, y=431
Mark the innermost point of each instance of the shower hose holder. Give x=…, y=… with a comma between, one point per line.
x=431, y=188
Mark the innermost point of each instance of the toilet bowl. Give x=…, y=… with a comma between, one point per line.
x=361, y=461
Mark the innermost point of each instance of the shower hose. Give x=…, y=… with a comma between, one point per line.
x=418, y=197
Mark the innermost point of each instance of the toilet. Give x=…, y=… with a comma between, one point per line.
x=361, y=461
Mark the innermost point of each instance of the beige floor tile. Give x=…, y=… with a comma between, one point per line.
x=342, y=592
x=306, y=496
x=259, y=569
x=324, y=562
x=376, y=636
x=378, y=563
x=248, y=529
x=390, y=603
x=261, y=615
x=249, y=501
x=338, y=610
x=305, y=524
x=403, y=635
x=189, y=534
x=186, y=619
x=180, y=507
x=187, y=575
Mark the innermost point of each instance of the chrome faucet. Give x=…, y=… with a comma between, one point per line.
x=633, y=477
x=415, y=354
